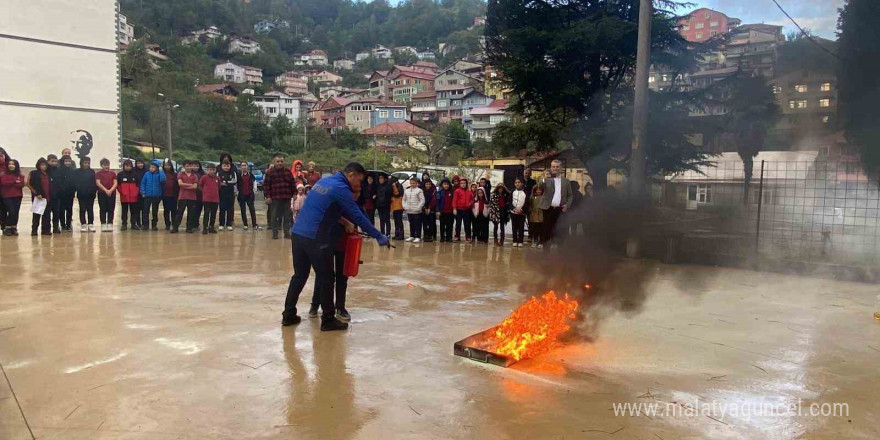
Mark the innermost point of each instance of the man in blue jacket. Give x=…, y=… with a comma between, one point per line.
x=315, y=234
x=151, y=190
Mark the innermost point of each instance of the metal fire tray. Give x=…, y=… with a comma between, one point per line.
x=471, y=348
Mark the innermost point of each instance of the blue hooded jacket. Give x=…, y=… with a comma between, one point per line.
x=151, y=184
x=330, y=199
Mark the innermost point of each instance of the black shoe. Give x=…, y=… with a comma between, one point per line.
x=343, y=315
x=174, y=231
x=15, y=232
x=167, y=227
x=287, y=235
x=313, y=311
x=123, y=228
x=56, y=230
x=212, y=230
x=329, y=324
x=155, y=227
x=135, y=228
x=294, y=320
x=204, y=231
x=190, y=231
x=47, y=233
x=275, y=235
x=68, y=228
x=34, y=233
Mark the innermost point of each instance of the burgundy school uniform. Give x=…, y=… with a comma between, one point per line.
x=210, y=186
x=106, y=178
x=45, y=182
x=187, y=193
x=10, y=185
x=170, y=187
x=246, y=186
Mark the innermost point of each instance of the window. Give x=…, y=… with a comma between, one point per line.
x=701, y=193
x=466, y=112
x=825, y=119
x=707, y=15
x=802, y=103
x=700, y=25
x=357, y=118
x=801, y=88
x=713, y=24
x=665, y=77
x=288, y=111
x=686, y=28
x=777, y=89
x=770, y=197
x=383, y=114
x=699, y=35
x=398, y=114
x=713, y=33
x=652, y=78
x=271, y=110
x=825, y=87
x=825, y=102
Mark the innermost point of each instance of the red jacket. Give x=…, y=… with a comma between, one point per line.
x=463, y=199
x=11, y=185
x=210, y=186
x=128, y=186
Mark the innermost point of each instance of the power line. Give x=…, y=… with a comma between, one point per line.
x=804, y=33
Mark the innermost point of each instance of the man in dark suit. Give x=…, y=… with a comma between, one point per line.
x=556, y=199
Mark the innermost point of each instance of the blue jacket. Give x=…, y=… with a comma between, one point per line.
x=151, y=184
x=330, y=199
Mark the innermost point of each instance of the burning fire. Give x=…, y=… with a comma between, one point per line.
x=534, y=327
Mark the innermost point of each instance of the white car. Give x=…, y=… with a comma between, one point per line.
x=404, y=176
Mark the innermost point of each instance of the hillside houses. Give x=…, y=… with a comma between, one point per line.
x=274, y=104
x=243, y=45
x=266, y=26
x=209, y=33
x=315, y=57
x=293, y=83
x=232, y=72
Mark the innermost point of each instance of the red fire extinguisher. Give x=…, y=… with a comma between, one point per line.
x=353, y=243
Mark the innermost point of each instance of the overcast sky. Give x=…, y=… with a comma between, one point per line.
x=820, y=16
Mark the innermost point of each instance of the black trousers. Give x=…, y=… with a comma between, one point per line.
x=280, y=215
x=398, y=224
x=495, y=234
x=44, y=221
x=519, y=227
x=210, y=217
x=192, y=216
x=169, y=210
x=311, y=254
x=54, y=208
x=136, y=212
x=197, y=209
x=227, y=209
x=415, y=224
x=371, y=214
x=551, y=217
x=86, y=208
x=481, y=228
x=4, y=214
x=11, y=208
x=536, y=231
x=66, y=214
x=150, y=204
x=247, y=201
x=106, y=208
x=429, y=224
x=340, y=284
x=446, y=221
x=130, y=208
x=466, y=217
x=385, y=221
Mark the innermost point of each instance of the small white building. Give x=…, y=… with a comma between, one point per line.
x=266, y=26
x=210, y=32
x=426, y=55
x=381, y=52
x=125, y=30
x=232, y=72
x=315, y=57
x=361, y=56
x=343, y=64
x=407, y=49
x=243, y=45
x=274, y=104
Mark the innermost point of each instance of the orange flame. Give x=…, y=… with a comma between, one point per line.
x=535, y=326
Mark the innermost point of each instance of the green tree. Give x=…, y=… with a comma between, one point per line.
x=859, y=82
x=135, y=63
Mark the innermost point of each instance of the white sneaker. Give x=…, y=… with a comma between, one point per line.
x=91, y=228
x=540, y=246
x=83, y=228
x=409, y=239
x=230, y=228
x=417, y=240
x=245, y=228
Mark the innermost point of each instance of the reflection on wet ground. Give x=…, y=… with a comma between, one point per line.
x=153, y=336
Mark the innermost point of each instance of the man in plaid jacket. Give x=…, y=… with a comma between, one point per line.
x=279, y=187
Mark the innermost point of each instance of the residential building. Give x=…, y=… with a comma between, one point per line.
x=343, y=64
x=471, y=100
x=360, y=56
x=495, y=87
x=468, y=67
x=452, y=86
x=275, y=104
x=125, y=31
x=808, y=105
x=355, y=94
x=381, y=52
x=423, y=107
x=243, y=45
x=369, y=112
x=426, y=54
x=204, y=34
x=224, y=91
x=408, y=50
x=406, y=81
x=704, y=24
x=156, y=54
x=266, y=26
x=253, y=75
x=293, y=82
x=387, y=111
x=392, y=137
x=315, y=57
x=333, y=114
x=478, y=21
x=379, y=84
x=484, y=120
x=336, y=90
x=323, y=76
x=427, y=66
x=752, y=47
x=232, y=72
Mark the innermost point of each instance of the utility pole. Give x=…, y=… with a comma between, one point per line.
x=637, y=170
x=306, y=133
x=170, y=148
x=375, y=147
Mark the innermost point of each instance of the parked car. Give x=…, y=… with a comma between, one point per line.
x=404, y=176
x=258, y=177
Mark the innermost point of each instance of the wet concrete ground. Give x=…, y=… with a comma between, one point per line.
x=152, y=336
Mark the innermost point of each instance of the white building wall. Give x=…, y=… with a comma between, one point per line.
x=63, y=78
